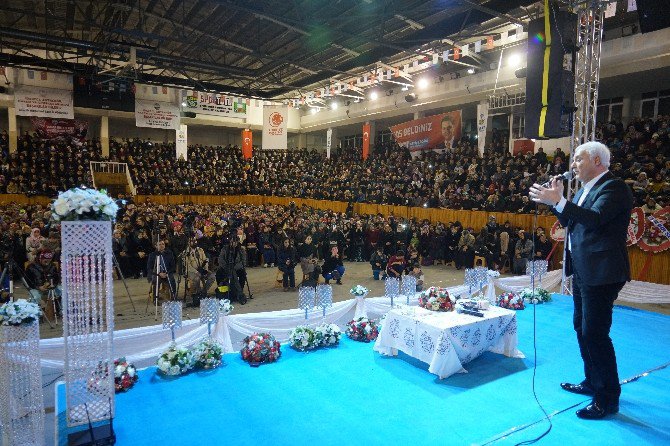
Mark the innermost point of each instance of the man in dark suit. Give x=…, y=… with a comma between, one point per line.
x=161, y=268
x=596, y=221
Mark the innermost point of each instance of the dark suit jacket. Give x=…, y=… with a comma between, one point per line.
x=597, y=230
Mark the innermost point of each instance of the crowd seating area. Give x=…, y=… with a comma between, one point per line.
x=497, y=181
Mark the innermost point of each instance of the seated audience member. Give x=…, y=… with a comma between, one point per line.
x=465, y=256
x=523, y=250
x=307, y=255
x=286, y=262
x=196, y=270
x=42, y=276
x=396, y=265
x=265, y=239
x=542, y=247
x=34, y=244
x=378, y=262
x=332, y=266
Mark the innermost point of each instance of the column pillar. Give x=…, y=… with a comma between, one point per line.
x=13, y=133
x=302, y=140
x=104, y=135
x=625, y=109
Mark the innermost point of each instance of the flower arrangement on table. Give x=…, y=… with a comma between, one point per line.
x=436, y=299
x=362, y=329
x=541, y=295
x=207, y=354
x=225, y=307
x=259, y=348
x=358, y=291
x=305, y=338
x=175, y=360
x=19, y=312
x=511, y=301
x=84, y=204
x=125, y=375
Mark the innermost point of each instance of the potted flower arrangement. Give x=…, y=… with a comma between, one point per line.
x=303, y=338
x=362, y=329
x=436, y=299
x=84, y=204
x=207, y=354
x=539, y=297
x=259, y=348
x=359, y=291
x=19, y=312
x=511, y=301
x=175, y=361
x=125, y=375
x=225, y=307
x=328, y=334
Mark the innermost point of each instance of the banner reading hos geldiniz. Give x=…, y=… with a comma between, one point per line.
x=44, y=102
x=275, y=118
x=60, y=129
x=155, y=114
x=438, y=132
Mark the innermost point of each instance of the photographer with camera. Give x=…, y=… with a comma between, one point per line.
x=196, y=269
x=161, y=268
x=231, y=267
x=42, y=276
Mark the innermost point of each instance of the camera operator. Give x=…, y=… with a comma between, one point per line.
x=165, y=269
x=197, y=270
x=42, y=276
x=231, y=264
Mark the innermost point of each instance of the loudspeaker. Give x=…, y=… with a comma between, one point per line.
x=189, y=114
x=550, y=87
x=410, y=97
x=653, y=14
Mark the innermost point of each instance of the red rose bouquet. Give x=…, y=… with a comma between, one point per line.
x=259, y=348
x=362, y=329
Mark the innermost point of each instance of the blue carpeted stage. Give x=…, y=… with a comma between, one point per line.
x=351, y=394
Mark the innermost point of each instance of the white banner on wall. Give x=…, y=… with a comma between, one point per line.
x=158, y=115
x=275, y=118
x=44, y=102
x=215, y=104
x=329, y=142
x=482, y=119
x=181, y=142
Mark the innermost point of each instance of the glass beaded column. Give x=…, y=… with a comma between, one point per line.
x=88, y=320
x=392, y=288
x=21, y=398
x=408, y=287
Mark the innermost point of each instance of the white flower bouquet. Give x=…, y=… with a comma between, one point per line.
x=302, y=338
x=207, y=354
x=19, y=312
x=359, y=290
x=328, y=334
x=175, y=360
x=83, y=204
x=493, y=273
x=541, y=295
x=225, y=307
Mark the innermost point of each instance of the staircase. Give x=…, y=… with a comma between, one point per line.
x=114, y=177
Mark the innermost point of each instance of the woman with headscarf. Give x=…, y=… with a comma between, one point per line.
x=34, y=244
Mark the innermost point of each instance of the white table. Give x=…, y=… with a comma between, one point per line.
x=448, y=340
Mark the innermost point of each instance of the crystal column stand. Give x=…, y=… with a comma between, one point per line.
x=392, y=288
x=209, y=313
x=88, y=320
x=171, y=316
x=306, y=299
x=324, y=297
x=21, y=399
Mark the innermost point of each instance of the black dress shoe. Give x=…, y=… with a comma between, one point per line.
x=596, y=411
x=580, y=388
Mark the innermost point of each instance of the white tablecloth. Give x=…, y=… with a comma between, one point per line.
x=446, y=341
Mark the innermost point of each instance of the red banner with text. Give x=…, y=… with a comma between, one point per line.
x=69, y=130
x=366, y=140
x=438, y=132
x=247, y=144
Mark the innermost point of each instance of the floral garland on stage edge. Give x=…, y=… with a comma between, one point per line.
x=436, y=299
x=359, y=291
x=19, y=312
x=175, y=361
x=125, y=375
x=362, y=329
x=260, y=348
x=305, y=338
x=541, y=295
x=84, y=204
x=225, y=307
x=511, y=301
x=207, y=354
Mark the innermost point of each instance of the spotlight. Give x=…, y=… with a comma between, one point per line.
x=471, y=71
x=425, y=205
x=410, y=97
x=374, y=95
x=333, y=105
x=514, y=60
x=423, y=83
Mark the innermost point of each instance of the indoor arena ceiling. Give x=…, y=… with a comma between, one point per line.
x=265, y=49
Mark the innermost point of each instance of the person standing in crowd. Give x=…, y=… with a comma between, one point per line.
x=265, y=240
x=597, y=222
x=286, y=262
x=307, y=255
x=523, y=250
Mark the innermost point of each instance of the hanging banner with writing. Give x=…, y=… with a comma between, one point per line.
x=438, y=132
x=181, y=142
x=275, y=118
x=329, y=142
x=215, y=104
x=44, y=102
x=158, y=115
x=366, y=140
x=67, y=130
x=482, y=119
x=247, y=144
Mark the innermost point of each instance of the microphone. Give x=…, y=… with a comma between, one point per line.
x=564, y=176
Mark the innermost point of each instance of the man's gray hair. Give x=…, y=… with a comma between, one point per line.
x=596, y=149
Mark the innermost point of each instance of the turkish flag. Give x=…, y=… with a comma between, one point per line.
x=247, y=147
x=366, y=140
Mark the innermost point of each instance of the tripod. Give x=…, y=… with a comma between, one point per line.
x=160, y=266
x=51, y=296
x=123, y=279
x=8, y=271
